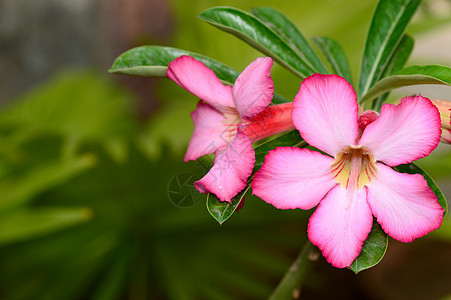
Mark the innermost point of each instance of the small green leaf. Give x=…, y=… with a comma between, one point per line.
x=221, y=211
x=254, y=32
x=431, y=74
x=335, y=56
x=25, y=224
x=291, y=35
x=414, y=169
x=278, y=99
x=396, y=63
x=373, y=249
x=152, y=61
x=386, y=31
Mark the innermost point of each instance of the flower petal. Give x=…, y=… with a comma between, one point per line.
x=254, y=88
x=403, y=204
x=199, y=80
x=325, y=112
x=272, y=120
x=403, y=133
x=210, y=132
x=232, y=167
x=293, y=178
x=339, y=228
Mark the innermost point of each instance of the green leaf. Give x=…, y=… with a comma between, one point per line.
x=222, y=211
x=396, y=63
x=335, y=56
x=25, y=224
x=414, y=169
x=254, y=32
x=288, y=139
x=291, y=35
x=278, y=99
x=386, y=31
x=400, y=57
x=152, y=61
x=431, y=74
x=373, y=249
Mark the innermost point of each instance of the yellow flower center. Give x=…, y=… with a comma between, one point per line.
x=354, y=167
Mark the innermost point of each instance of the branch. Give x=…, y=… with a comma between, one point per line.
x=291, y=283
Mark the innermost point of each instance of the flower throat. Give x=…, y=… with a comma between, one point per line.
x=354, y=167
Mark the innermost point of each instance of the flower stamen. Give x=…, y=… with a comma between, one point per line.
x=353, y=168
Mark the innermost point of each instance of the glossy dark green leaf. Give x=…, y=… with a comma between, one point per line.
x=222, y=211
x=400, y=57
x=288, y=139
x=152, y=61
x=396, y=63
x=291, y=35
x=373, y=249
x=386, y=31
x=335, y=56
x=414, y=169
x=432, y=74
x=254, y=32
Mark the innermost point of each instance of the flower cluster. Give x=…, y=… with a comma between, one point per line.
x=350, y=183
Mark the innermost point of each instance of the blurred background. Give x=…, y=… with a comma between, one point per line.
x=87, y=159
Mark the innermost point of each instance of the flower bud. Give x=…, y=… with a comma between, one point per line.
x=366, y=118
x=444, y=107
x=273, y=120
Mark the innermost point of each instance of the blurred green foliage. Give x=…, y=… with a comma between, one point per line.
x=74, y=155
x=85, y=212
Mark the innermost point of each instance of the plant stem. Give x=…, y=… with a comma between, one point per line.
x=290, y=285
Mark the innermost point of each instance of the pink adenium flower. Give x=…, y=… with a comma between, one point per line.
x=228, y=119
x=354, y=181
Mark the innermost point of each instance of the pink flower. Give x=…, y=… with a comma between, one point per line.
x=227, y=120
x=355, y=181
